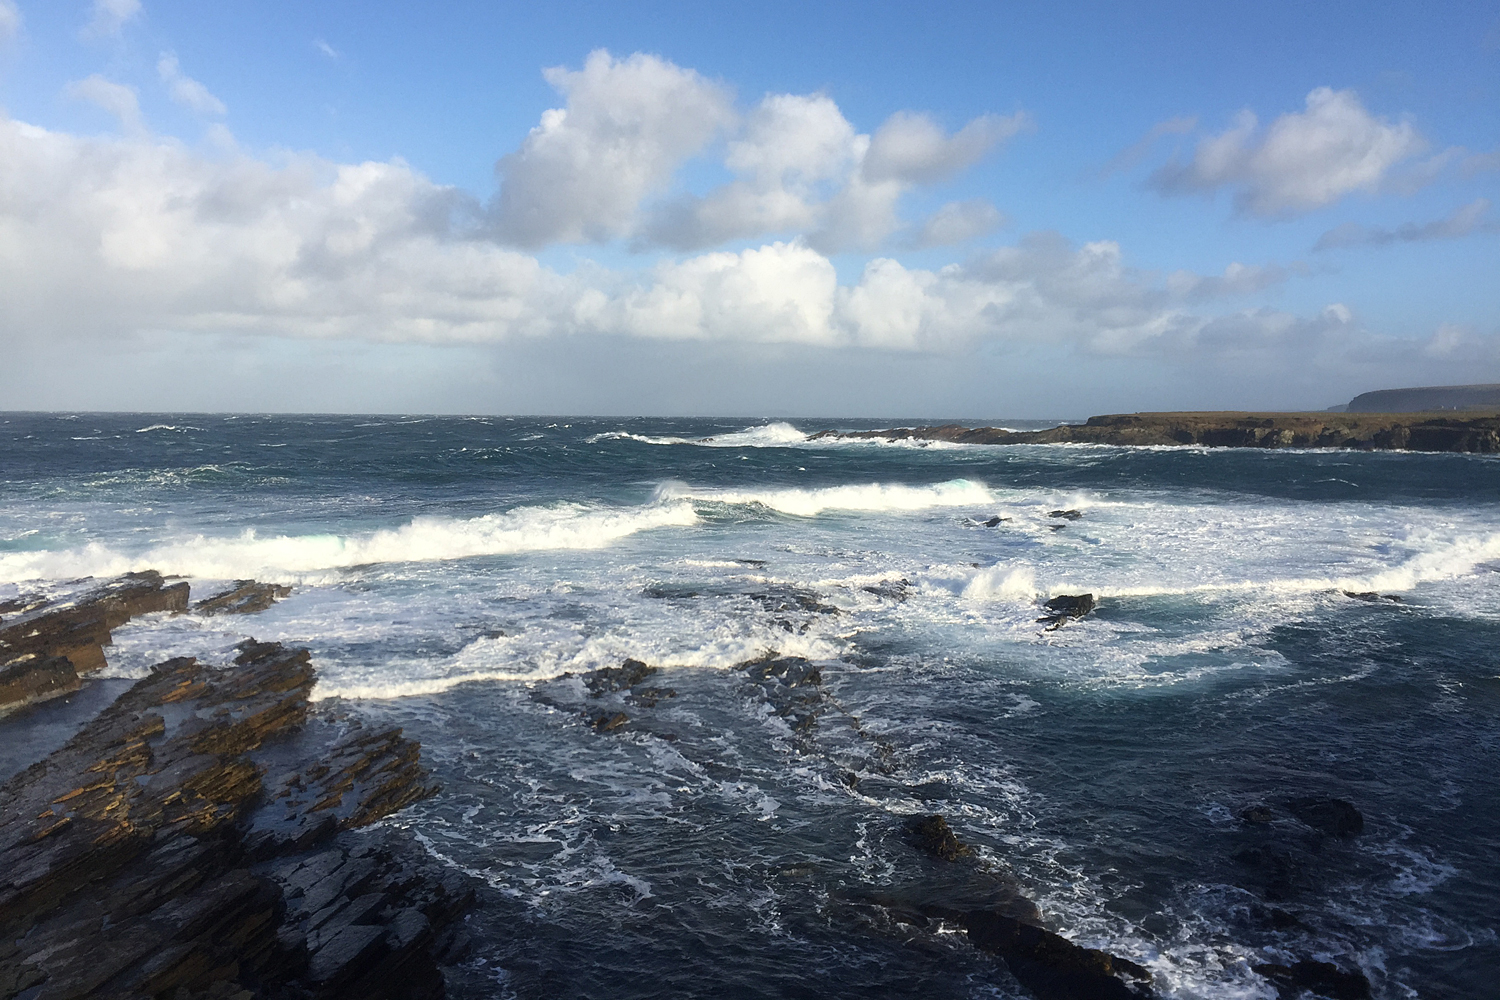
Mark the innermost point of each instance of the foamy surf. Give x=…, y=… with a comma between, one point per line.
x=423, y=539
x=871, y=497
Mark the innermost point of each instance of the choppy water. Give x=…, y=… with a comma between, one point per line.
x=450, y=571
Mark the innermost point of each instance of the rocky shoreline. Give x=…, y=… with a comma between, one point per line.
x=209, y=835
x=1358, y=431
x=204, y=836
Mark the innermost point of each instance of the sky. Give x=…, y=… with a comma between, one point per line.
x=761, y=209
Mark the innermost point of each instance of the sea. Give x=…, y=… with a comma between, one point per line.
x=1272, y=628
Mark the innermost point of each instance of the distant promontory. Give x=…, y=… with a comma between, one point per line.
x=1431, y=431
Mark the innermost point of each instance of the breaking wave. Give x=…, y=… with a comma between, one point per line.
x=871, y=497
x=423, y=539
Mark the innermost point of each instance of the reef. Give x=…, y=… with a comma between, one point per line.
x=1477, y=432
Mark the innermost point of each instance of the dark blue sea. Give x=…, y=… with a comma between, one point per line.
x=1272, y=628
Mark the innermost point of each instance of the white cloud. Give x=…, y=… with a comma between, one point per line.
x=186, y=91
x=582, y=173
x=1464, y=221
x=323, y=47
x=1136, y=151
x=116, y=98
x=110, y=16
x=958, y=222
x=110, y=238
x=10, y=20
x=790, y=146
x=1301, y=161
x=913, y=149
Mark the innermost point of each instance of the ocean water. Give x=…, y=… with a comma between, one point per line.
x=455, y=575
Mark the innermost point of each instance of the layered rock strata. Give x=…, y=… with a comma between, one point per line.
x=46, y=645
x=193, y=841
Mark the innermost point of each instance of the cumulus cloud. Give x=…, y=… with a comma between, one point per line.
x=110, y=16
x=1301, y=161
x=801, y=167
x=112, y=237
x=186, y=91
x=958, y=222
x=1464, y=221
x=10, y=20
x=116, y=98
x=583, y=171
x=913, y=149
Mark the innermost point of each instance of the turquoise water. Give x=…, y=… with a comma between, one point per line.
x=451, y=573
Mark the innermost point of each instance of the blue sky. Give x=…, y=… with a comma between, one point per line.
x=754, y=209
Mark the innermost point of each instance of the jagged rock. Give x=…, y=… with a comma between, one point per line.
x=895, y=590
x=1371, y=596
x=792, y=685
x=244, y=598
x=1065, y=607
x=1258, y=814
x=1322, y=978
x=1334, y=817
x=126, y=856
x=933, y=835
x=609, y=679
x=1070, y=515
x=1051, y=966
x=75, y=631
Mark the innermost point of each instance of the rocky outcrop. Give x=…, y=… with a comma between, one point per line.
x=1065, y=608
x=1361, y=431
x=163, y=850
x=246, y=597
x=48, y=644
x=962, y=890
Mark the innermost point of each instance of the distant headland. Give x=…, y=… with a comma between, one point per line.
x=1389, y=431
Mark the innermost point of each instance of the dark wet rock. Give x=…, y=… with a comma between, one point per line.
x=608, y=722
x=792, y=599
x=46, y=639
x=609, y=679
x=1065, y=607
x=1371, y=597
x=1278, y=869
x=1323, y=979
x=1051, y=966
x=893, y=590
x=246, y=597
x=995, y=521
x=1333, y=817
x=791, y=685
x=144, y=857
x=933, y=835
x=1258, y=814
x=1070, y=515
x=647, y=697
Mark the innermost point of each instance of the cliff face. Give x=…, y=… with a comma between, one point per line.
x=1427, y=399
x=1362, y=431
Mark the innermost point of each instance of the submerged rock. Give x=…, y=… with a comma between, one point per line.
x=1321, y=978
x=128, y=857
x=244, y=598
x=1334, y=817
x=47, y=640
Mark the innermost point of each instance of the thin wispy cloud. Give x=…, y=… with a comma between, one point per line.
x=186, y=91
x=1465, y=221
x=10, y=20
x=109, y=17
x=1136, y=151
x=325, y=48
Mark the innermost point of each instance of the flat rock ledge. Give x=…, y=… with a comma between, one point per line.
x=1479, y=432
x=200, y=838
x=46, y=645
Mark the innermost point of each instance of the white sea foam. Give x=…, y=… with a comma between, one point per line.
x=168, y=427
x=871, y=497
x=423, y=539
x=777, y=435
x=1002, y=581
